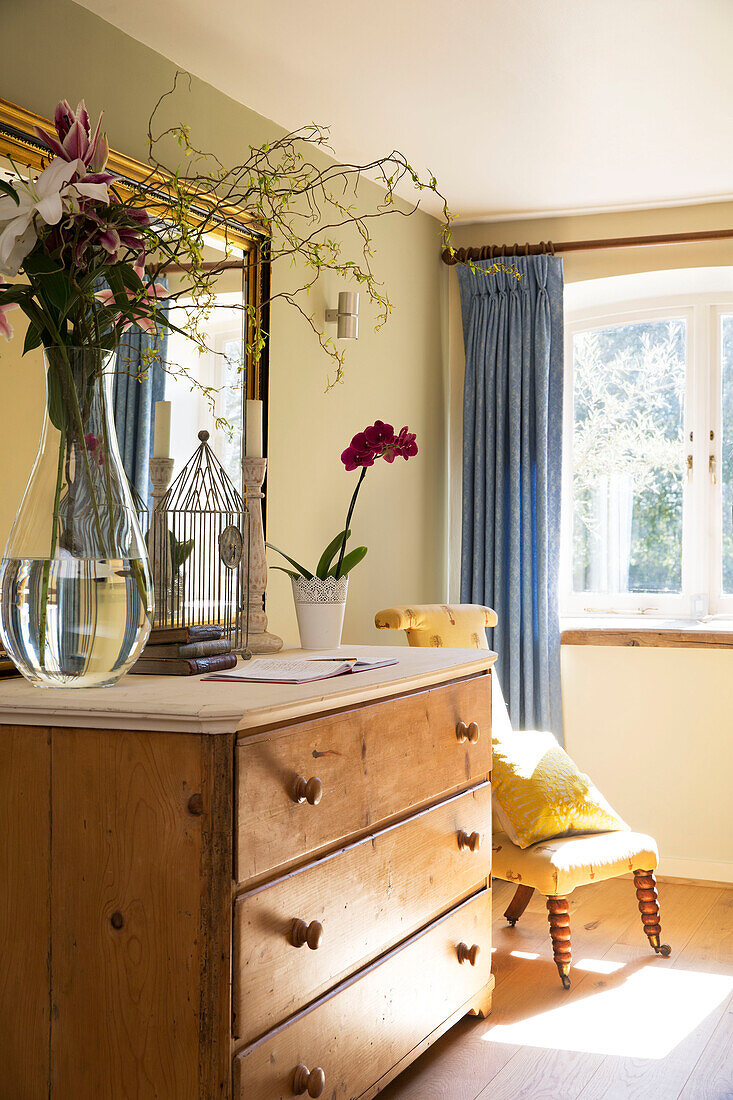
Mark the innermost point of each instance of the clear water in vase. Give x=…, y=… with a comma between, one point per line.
x=76, y=596
x=95, y=622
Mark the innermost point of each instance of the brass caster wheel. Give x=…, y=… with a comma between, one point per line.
x=664, y=949
x=565, y=981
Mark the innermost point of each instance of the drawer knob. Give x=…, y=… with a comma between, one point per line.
x=472, y=842
x=302, y=933
x=307, y=790
x=469, y=732
x=468, y=954
x=313, y=1083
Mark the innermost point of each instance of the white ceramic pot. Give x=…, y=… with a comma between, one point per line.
x=320, y=607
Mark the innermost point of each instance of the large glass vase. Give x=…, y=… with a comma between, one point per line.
x=76, y=599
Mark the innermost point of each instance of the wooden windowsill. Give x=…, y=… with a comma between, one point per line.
x=660, y=633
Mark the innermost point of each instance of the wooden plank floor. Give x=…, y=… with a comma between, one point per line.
x=633, y=1025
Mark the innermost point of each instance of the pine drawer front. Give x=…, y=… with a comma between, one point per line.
x=370, y=1023
x=354, y=770
x=356, y=904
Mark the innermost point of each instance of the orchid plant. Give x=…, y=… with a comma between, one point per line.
x=379, y=440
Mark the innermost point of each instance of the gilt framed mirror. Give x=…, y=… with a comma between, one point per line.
x=207, y=389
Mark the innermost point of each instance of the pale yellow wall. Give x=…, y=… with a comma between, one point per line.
x=395, y=375
x=653, y=727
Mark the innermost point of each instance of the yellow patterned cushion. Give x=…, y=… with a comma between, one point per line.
x=558, y=866
x=541, y=794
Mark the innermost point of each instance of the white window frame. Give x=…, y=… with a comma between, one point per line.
x=702, y=519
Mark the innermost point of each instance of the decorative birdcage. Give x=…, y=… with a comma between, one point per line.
x=200, y=550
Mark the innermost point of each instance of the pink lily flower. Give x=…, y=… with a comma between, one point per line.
x=146, y=303
x=75, y=140
x=6, y=329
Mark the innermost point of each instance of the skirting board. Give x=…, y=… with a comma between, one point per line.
x=699, y=870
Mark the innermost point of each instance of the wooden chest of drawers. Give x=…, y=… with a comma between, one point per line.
x=291, y=899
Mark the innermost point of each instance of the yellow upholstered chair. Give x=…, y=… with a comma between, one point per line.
x=553, y=867
x=457, y=626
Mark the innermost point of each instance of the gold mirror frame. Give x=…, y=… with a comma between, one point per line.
x=19, y=143
x=238, y=229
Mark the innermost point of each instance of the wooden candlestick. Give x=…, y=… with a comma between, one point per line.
x=259, y=639
x=161, y=471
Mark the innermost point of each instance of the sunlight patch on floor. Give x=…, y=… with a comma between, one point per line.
x=644, y=1015
x=524, y=954
x=598, y=966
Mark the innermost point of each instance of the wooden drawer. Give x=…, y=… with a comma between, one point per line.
x=373, y=762
x=367, y=897
x=360, y=1033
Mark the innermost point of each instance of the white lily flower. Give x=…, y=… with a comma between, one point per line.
x=43, y=198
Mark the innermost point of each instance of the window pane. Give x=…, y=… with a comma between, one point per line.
x=207, y=388
x=726, y=450
x=628, y=457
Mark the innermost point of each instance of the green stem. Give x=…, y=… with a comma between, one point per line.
x=54, y=540
x=82, y=446
x=347, y=525
x=107, y=475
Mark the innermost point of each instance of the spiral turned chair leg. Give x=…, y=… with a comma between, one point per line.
x=646, y=892
x=558, y=914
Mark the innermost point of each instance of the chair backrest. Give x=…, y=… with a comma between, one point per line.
x=453, y=626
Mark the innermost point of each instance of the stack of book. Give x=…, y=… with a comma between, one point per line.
x=185, y=651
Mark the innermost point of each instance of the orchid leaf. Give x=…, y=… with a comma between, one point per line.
x=8, y=190
x=351, y=559
x=290, y=572
x=301, y=569
x=328, y=554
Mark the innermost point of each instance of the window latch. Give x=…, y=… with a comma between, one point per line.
x=689, y=467
x=712, y=469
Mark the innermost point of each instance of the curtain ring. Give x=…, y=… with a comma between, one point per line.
x=526, y=249
x=551, y=248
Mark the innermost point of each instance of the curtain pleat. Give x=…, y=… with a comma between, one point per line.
x=134, y=393
x=512, y=464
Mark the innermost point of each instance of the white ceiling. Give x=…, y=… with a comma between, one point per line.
x=520, y=107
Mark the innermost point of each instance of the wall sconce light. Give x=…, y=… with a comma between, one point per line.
x=347, y=315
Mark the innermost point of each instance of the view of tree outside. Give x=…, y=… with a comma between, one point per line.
x=629, y=455
x=726, y=449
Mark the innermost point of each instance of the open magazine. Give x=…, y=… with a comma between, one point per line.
x=303, y=670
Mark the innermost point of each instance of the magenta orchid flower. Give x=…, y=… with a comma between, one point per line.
x=376, y=441
x=379, y=441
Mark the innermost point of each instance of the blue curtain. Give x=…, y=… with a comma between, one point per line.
x=512, y=460
x=134, y=404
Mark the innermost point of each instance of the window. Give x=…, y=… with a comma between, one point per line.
x=648, y=449
x=217, y=396
x=207, y=388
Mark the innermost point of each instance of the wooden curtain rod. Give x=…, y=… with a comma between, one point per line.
x=494, y=251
